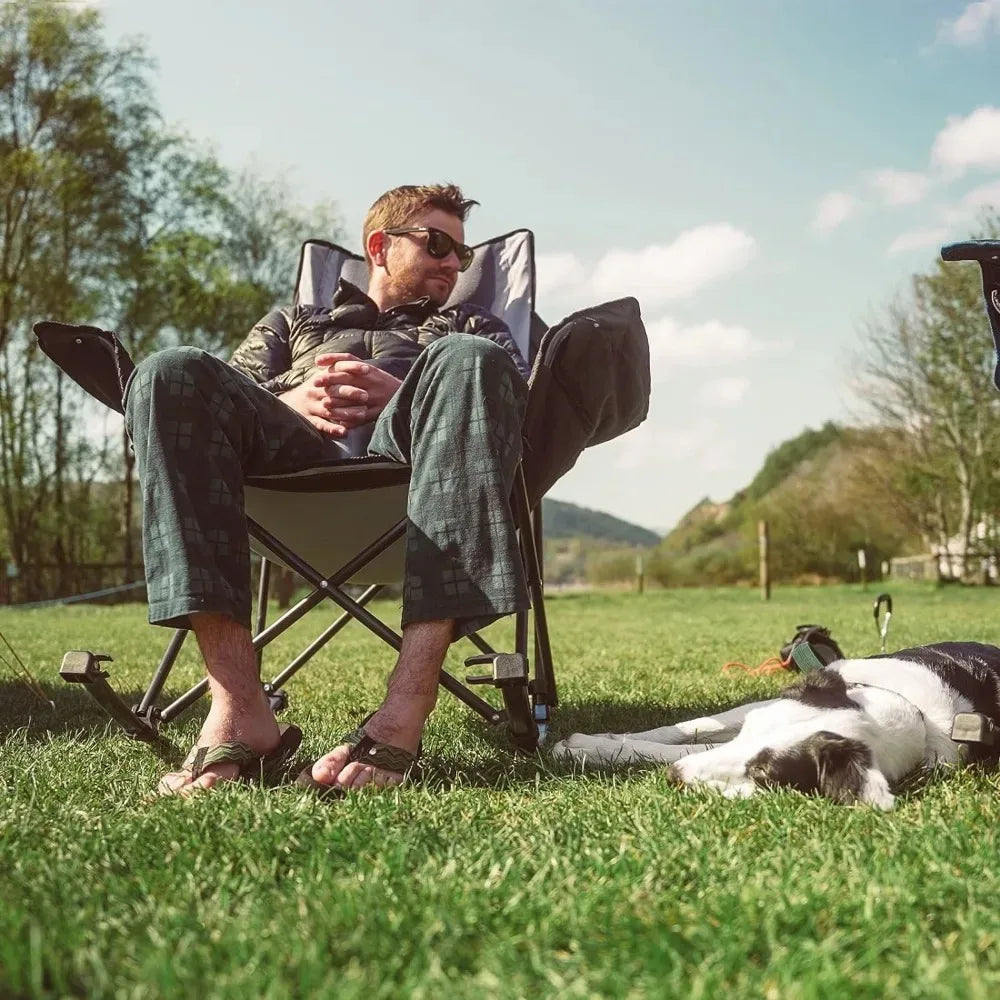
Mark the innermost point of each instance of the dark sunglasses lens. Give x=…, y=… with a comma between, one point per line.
x=440, y=244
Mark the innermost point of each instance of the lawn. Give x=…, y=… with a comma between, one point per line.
x=495, y=875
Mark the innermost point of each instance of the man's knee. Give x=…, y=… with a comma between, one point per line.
x=467, y=348
x=459, y=354
x=178, y=368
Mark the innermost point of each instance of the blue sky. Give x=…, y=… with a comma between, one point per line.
x=764, y=177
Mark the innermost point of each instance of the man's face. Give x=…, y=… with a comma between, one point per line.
x=411, y=272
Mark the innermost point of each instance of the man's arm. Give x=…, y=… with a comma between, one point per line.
x=331, y=405
x=265, y=354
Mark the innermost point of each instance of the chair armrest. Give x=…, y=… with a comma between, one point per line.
x=972, y=250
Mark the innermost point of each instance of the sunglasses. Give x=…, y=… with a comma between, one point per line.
x=439, y=244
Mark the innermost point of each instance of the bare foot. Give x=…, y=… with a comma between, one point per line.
x=400, y=729
x=259, y=730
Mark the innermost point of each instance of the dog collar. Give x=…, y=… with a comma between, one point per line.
x=805, y=658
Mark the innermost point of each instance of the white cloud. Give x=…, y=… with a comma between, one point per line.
x=724, y=391
x=972, y=141
x=677, y=270
x=558, y=272
x=918, y=239
x=900, y=187
x=706, y=343
x=834, y=209
x=978, y=20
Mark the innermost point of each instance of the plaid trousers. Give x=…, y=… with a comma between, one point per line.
x=200, y=427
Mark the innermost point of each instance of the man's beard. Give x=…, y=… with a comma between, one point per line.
x=409, y=285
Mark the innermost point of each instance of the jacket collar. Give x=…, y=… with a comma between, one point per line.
x=410, y=313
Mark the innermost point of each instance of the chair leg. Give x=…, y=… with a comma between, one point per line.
x=262, y=595
x=509, y=673
x=81, y=666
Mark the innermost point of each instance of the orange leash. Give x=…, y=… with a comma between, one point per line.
x=772, y=665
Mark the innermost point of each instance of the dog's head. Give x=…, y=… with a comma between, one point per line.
x=825, y=763
x=816, y=738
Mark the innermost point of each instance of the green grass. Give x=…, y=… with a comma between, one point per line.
x=495, y=876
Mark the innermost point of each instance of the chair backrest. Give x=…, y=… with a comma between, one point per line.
x=501, y=279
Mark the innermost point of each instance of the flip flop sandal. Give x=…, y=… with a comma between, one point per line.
x=364, y=750
x=254, y=766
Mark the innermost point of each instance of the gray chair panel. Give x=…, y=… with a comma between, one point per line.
x=501, y=279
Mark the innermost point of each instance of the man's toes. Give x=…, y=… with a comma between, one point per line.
x=356, y=776
x=328, y=767
x=335, y=769
x=181, y=782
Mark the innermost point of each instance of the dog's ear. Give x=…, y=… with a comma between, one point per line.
x=845, y=772
x=827, y=764
x=821, y=689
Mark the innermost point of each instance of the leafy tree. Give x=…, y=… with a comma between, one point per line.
x=67, y=104
x=107, y=218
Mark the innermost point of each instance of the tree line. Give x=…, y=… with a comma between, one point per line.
x=108, y=217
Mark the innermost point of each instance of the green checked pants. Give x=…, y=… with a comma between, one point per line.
x=200, y=427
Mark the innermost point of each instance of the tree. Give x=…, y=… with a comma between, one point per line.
x=108, y=218
x=67, y=104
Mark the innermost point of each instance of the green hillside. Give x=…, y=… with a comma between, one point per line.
x=567, y=520
x=825, y=494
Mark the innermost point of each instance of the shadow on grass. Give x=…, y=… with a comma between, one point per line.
x=68, y=710
x=523, y=772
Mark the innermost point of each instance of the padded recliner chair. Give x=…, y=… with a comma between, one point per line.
x=589, y=383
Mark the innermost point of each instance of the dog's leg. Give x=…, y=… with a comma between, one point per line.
x=598, y=751
x=719, y=728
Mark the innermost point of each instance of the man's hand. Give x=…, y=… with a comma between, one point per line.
x=340, y=393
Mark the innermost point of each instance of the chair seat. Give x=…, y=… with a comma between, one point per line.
x=329, y=513
x=339, y=476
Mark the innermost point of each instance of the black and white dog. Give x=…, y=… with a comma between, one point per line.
x=848, y=731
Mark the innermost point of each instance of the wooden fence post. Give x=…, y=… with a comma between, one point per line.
x=640, y=578
x=763, y=544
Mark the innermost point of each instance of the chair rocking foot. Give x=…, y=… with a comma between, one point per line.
x=81, y=666
x=510, y=675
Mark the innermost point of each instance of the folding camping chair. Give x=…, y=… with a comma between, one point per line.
x=370, y=494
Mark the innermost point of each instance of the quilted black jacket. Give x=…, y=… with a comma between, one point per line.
x=281, y=350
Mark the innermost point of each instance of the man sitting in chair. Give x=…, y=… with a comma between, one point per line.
x=445, y=391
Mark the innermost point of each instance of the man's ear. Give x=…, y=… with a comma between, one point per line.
x=377, y=247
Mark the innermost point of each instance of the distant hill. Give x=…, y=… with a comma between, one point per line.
x=825, y=494
x=567, y=520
